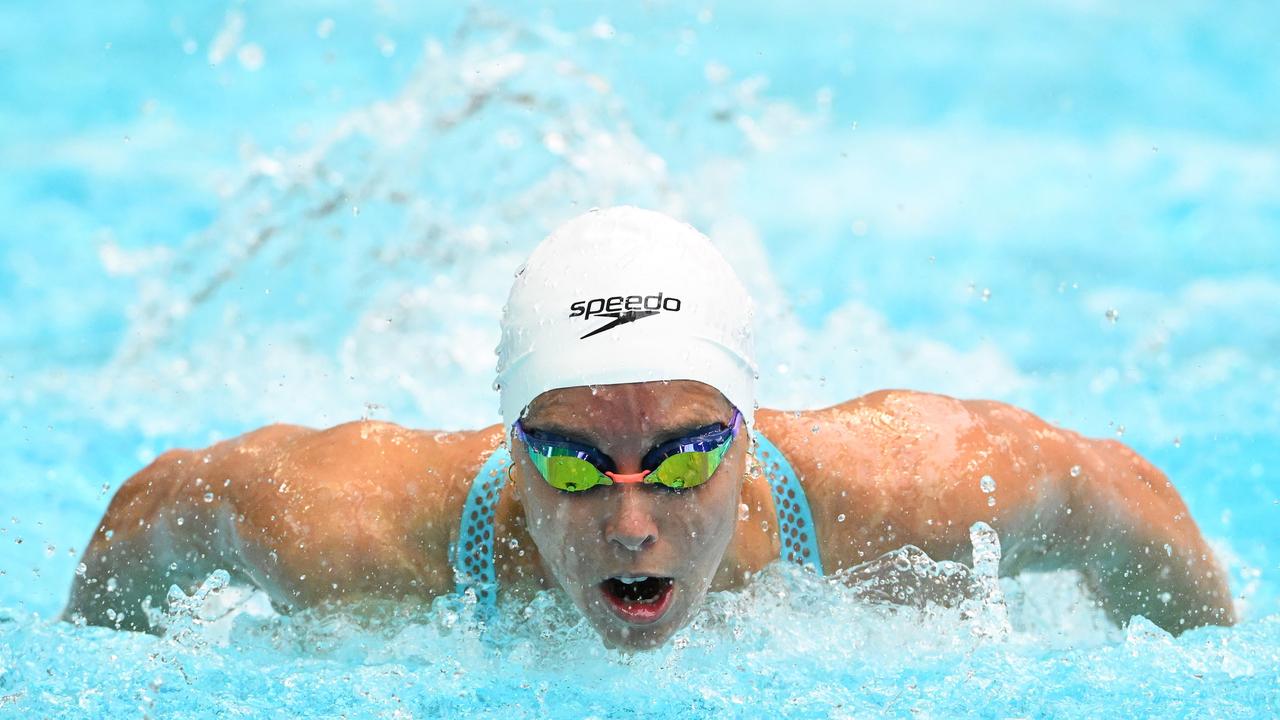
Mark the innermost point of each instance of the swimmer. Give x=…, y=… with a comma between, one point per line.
x=633, y=471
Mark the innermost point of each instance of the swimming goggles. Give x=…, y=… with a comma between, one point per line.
x=681, y=463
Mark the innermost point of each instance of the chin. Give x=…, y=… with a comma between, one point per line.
x=616, y=636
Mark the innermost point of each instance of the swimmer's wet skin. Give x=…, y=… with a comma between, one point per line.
x=591, y=415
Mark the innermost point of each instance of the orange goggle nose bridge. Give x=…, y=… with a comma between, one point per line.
x=627, y=477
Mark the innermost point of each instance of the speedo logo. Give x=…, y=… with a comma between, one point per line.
x=622, y=309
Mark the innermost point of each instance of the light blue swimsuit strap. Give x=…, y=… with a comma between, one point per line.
x=795, y=522
x=472, y=554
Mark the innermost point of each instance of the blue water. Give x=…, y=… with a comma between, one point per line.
x=230, y=214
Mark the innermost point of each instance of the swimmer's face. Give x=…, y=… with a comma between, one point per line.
x=665, y=544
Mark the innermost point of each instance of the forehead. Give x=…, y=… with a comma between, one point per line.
x=647, y=409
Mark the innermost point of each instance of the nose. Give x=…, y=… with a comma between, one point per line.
x=631, y=525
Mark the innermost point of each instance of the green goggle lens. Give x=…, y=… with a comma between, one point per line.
x=567, y=472
x=687, y=469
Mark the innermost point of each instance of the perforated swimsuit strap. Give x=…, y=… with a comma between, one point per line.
x=472, y=553
x=795, y=522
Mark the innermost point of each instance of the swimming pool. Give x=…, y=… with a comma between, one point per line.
x=235, y=214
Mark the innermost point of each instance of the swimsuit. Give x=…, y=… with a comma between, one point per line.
x=472, y=554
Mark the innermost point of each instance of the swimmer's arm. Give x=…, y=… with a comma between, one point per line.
x=1139, y=549
x=174, y=522
x=362, y=510
x=1098, y=507
x=910, y=467
x=135, y=554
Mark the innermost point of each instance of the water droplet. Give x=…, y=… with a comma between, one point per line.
x=81, y=569
x=111, y=584
x=1177, y=442
x=813, y=429
x=987, y=483
x=1075, y=471
x=49, y=550
x=991, y=501
x=251, y=57
x=181, y=520
x=840, y=517
x=744, y=512
x=208, y=497
x=986, y=294
x=1113, y=315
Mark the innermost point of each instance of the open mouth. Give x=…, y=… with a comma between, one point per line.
x=639, y=600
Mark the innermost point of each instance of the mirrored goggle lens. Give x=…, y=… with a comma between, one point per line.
x=686, y=469
x=569, y=473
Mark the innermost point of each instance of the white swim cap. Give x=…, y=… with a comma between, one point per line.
x=625, y=295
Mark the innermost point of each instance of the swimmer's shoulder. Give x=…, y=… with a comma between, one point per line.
x=902, y=466
x=427, y=468
x=862, y=429
x=884, y=448
x=401, y=477
x=902, y=429
x=361, y=509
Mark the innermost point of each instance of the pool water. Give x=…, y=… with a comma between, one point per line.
x=231, y=214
